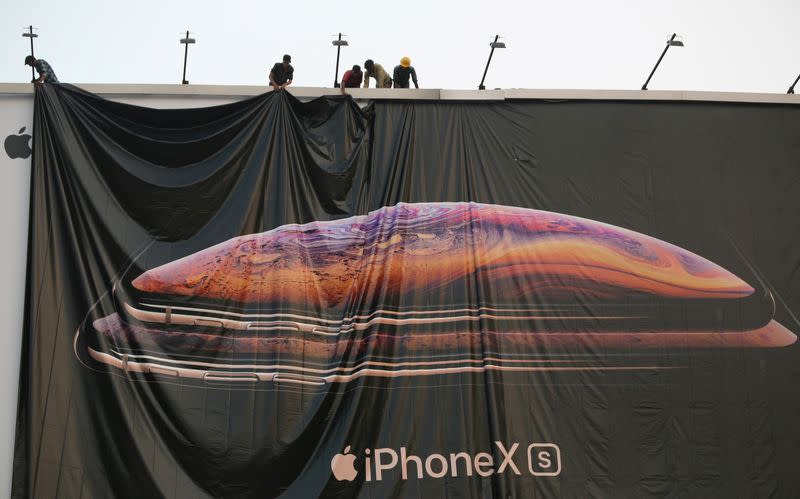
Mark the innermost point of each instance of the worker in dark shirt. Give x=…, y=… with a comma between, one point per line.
x=282, y=73
x=352, y=78
x=46, y=73
x=402, y=73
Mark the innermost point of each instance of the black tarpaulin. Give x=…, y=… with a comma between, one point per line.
x=413, y=299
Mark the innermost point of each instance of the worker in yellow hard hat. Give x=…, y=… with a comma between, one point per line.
x=402, y=72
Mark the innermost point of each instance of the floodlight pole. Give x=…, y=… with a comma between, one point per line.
x=186, y=41
x=790, y=91
x=338, y=51
x=31, y=35
x=669, y=42
x=481, y=87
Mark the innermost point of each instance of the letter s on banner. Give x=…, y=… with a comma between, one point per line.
x=544, y=459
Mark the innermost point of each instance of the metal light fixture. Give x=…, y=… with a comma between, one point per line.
x=495, y=45
x=186, y=41
x=791, y=89
x=30, y=34
x=338, y=43
x=671, y=42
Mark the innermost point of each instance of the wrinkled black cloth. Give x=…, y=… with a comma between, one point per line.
x=109, y=180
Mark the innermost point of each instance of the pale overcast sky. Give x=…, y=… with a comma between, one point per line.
x=731, y=45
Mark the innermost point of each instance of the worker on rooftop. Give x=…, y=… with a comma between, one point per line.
x=374, y=70
x=46, y=73
x=282, y=73
x=402, y=73
x=352, y=78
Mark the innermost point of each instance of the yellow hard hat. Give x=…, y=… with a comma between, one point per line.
x=405, y=62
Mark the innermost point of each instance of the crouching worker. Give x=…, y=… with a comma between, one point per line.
x=352, y=78
x=382, y=78
x=282, y=74
x=46, y=73
x=403, y=72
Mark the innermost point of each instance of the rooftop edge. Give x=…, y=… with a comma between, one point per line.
x=118, y=90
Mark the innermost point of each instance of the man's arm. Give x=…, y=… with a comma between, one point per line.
x=366, y=80
x=414, y=77
x=272, y=81
x=396, y=73
x=289, y=77
x=42, y=73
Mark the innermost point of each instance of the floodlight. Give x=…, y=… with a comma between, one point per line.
x=338, y=43
x=30, y=34
x=671, y=42
x=495, y=45
x=791, y=89
x=186, y=42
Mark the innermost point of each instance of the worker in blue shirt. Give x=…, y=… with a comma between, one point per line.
x=46, y=73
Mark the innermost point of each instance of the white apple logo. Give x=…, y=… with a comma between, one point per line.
x=342, y=466
x=17, y=146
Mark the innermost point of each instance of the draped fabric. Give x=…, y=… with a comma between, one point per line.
x=410, y=299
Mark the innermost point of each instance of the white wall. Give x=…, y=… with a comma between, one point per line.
x=16, y=111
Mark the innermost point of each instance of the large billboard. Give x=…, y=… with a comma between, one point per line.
x=518, y=299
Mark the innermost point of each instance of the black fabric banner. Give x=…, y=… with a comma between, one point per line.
x=413, y=299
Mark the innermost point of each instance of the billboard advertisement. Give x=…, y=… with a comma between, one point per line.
x=314, y=299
